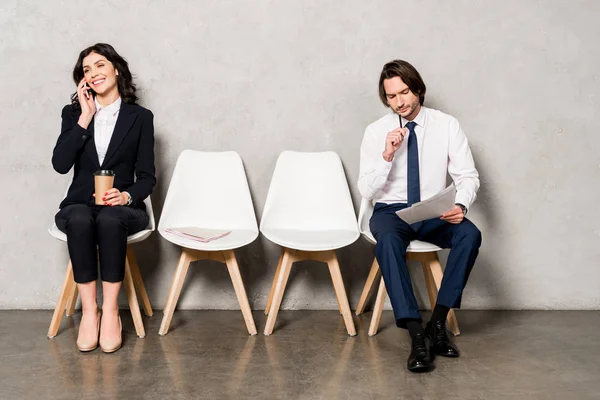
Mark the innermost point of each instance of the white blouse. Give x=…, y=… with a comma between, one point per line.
x=104, y=125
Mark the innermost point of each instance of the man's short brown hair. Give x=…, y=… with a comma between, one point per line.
x=409, y=75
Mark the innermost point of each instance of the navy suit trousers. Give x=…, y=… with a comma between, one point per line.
x=393, y=236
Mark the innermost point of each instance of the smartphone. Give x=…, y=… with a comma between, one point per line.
x=88, y=91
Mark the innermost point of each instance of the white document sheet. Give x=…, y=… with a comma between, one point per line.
x=433, y=207
x=198, y=234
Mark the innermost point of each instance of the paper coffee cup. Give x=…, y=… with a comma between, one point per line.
x=103, y=181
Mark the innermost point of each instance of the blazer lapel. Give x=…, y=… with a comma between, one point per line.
x=125, y=120
x=90, y=146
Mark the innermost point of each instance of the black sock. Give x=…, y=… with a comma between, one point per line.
x=414, y=327
x=440, y=313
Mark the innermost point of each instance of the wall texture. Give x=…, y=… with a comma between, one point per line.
x=259, y=77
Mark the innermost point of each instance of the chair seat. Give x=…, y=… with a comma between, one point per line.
x=139, y=236
x=311, y=240
x=236, y=239
x=416, y=246
x=136, y=237
x=369, y=236
x=56, y=233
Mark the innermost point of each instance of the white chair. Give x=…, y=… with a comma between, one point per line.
x=425, y=253
x=309, y=213
x=133, y=280
x=209, y=190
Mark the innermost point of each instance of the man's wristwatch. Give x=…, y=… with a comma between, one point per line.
x=463, y=208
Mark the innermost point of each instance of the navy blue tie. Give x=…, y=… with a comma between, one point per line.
x=414, y=186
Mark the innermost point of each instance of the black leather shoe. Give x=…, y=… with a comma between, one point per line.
x=441, y=344
x=419, y=359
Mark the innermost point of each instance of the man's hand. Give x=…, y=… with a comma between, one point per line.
x=393, y=141
x=454, y=216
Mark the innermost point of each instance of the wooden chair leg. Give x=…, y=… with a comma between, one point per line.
x=270, y=299
x=339, y=304
x=62, y=301
x=134, y=306
x=282, y=278
x=175, y=291
x=377, y=309
x=138, y=282
x=324, y=256
x=240, y=291
x=338, y=284
x=72, y=300
x=433, y=278
x=453, y=323
x=369, y=286
x=429, y=284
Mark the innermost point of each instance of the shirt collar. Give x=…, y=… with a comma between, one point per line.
x=112, y=109
x=419, y=119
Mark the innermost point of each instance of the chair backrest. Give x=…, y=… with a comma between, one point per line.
x=208, y=190
x=309, y=191
x=150, y=212
x=364, y=215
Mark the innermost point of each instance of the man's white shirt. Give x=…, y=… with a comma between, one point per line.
x=443, y=149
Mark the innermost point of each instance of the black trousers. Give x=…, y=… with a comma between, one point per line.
x=94, y=231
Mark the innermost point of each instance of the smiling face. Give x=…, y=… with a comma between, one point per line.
x=100, y=74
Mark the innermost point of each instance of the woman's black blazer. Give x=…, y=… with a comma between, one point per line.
x=130, y=153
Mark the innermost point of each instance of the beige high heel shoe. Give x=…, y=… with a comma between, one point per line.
x=110, y=345
x=85, y=344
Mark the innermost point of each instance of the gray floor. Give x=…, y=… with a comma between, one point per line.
x=208, y=355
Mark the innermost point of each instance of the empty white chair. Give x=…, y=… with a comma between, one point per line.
x=425, y=253
x=131, y=282
x=309, y=213
x=209, y=190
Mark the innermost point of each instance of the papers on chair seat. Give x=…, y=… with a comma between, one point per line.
x=433, y=207
x=198, y=234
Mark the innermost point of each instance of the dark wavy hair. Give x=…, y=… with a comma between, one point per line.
x=407, y=73
x=124, y=79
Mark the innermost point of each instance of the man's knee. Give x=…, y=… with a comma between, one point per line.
x=390, y=239
x=469, y=233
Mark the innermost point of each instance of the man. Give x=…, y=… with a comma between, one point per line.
x=405, y=158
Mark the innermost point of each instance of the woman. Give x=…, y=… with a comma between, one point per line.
x=103, y=129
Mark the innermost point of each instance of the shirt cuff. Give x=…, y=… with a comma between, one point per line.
x=463, y=198
x=383, y=167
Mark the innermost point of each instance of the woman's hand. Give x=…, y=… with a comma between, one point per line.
x=113, y=197
x=86, y=101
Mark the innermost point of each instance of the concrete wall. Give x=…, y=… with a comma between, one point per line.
x=259, y=77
